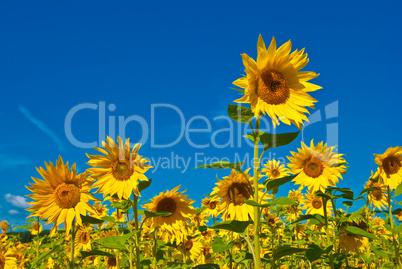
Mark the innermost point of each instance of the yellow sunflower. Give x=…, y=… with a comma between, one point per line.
x=317, y=166
x=172, y=227
x=294, y=211
x=36, y=228
x=4, y=226
x=7, y=259
x=274, y=85
x=315, y=205
x=193, y=249
x=83, y=238
x=61, y=196
x=389, y=166
x=233, y=191
x=119, y=171
x=378, y=198
x=273, y=169
x=211, y=204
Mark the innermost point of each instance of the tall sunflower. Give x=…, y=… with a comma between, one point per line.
x=389, y=166
x=119, y=170
x=378, y=198
x=274, y=85
x=172, y=227
x=317, y=166
x=315, y=205
x=233, y=191
x=274, y=169
x=61, y=196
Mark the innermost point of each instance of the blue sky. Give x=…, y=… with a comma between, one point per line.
x=130, y=55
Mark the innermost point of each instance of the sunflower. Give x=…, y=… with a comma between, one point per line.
x=36, y=228
x=389, y=166
x=4, y=226
x=172, y=227
x=234, y=190
x=7, y=259
x=294, y=210
x=272, y=220
x=378, y=198
x=119, y=171
x=61, y=196
x=352, y=242
x=83, y=238
x=211, y=205
x=192, y=248
x=317, y=166
x=273, y=169
x=274, y=85
x=315, y=205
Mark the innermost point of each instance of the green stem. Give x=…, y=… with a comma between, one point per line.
x=331, y=258
x=391, y=220
x=137, y=234
x=72, y=245
x=256, y=209
x=155, y=247
x=37, y=240
x=130, y=259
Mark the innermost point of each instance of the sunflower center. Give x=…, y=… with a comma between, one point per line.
x=275, y=172
x=111, y=261
x=67, y=195
x=167, y=204
x=391, y=165
x=189, y=245
x=272, y=87
x=238, y=192
x=212, y=205
x=35, y=226
x=377, y=195
x=84, y=238
x=122, y=170
x=2, y=261
x=317, y=203
x=313, y=167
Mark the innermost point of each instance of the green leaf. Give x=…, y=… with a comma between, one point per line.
x=91, y=220
x=347, y=203
x=358, y=231
x=44, y=255
x=282, y=201
x=368, y=190
x=270, y=141
x=30, y=220
x=124, y=205
x=95, y=252
x=218, y=245
x=240, y=113
x=149, y=214
x=398, y=190
x=114, y=242
x=254, y=203
x=285, y=251
x=222, y=165
x=270, y=184
x=142, y=185
x=23, y=227
x=207, y=266
x=379, y=252
x=108, y=219
x=314, y=252
x=232, y=225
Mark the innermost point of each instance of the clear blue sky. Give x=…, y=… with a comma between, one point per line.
x=133, y=54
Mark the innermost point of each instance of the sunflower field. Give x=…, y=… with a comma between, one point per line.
x=243, y=222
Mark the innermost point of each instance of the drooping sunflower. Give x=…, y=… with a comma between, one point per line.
x=273, y=169
x=349, y=242
x=274, y=85
x=389, y=166
x=233, y=191
x=119, y=171
x=4, y=226
x=317, y=166
x=315, y=205
x=172, y=227
x=378, y=198
x=61, y=196
x=36, y=228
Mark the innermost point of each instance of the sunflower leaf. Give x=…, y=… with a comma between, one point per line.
x=95, y=252
x=240, y=113
x=232, y=225
x=23, y=227
x=142, y=185
x=285, y=251
x=149, y=214
x=254, y=203
x=314, y=252
x=91, y=220
x=398, y=190
x=368, y=190
x=270, y=141
x=218, y=245
x=271, y=184
x=282, y=201
x=222, y=165
x=207, y=266
x=44, y=255
x=358, y=231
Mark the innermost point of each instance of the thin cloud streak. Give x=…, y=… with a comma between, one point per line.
x=42, y=126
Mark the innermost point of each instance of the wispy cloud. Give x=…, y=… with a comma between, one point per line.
x=42, y=126
x=16, y=200
x=7, y=161
x=13, y=212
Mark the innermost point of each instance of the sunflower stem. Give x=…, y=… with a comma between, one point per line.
x=37, y=240
x=155, y=247
x=137, y=233
x=331, y=258
x=72, y=245
x=391, y=220
x=256, y=209
x=130, y=259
